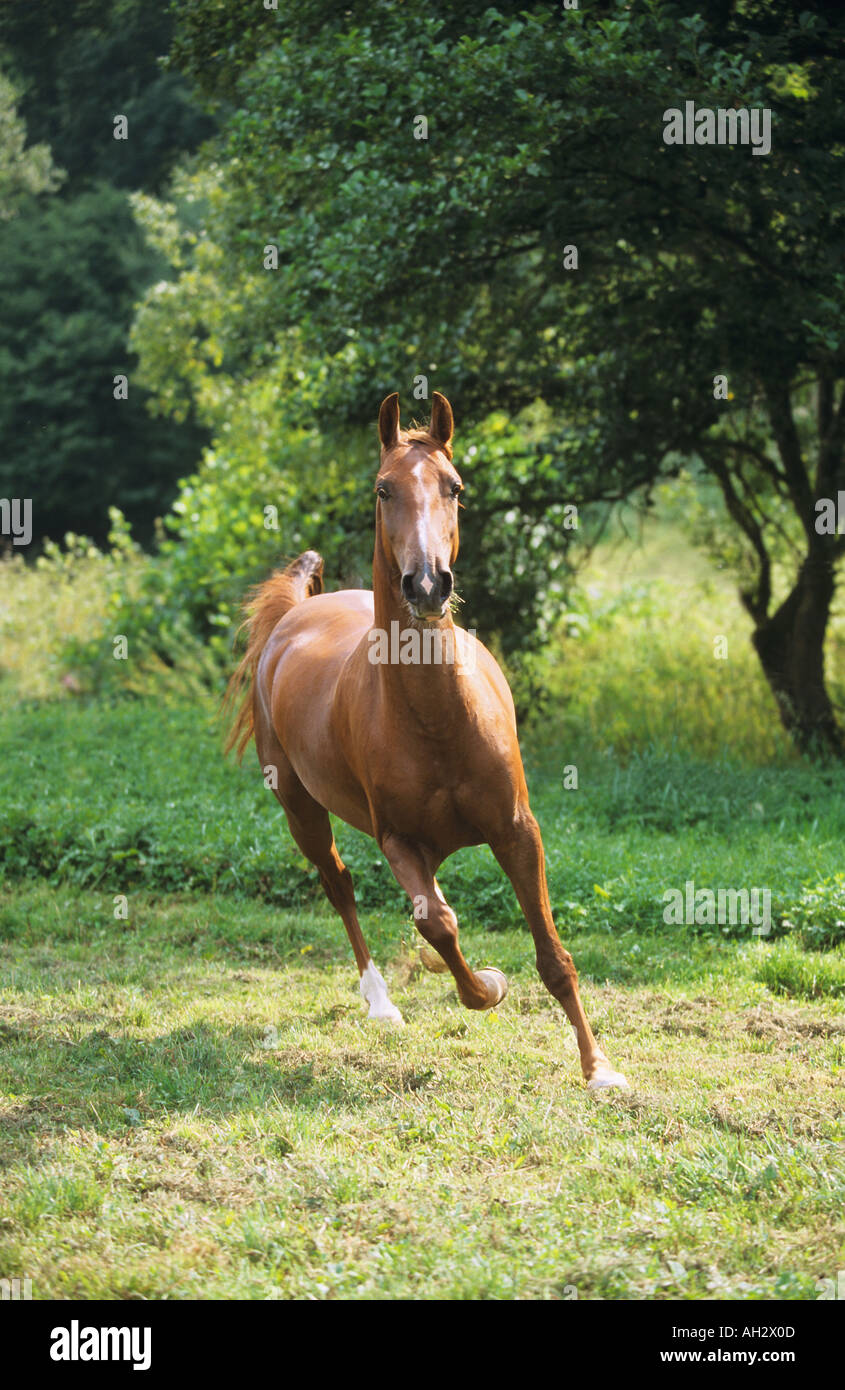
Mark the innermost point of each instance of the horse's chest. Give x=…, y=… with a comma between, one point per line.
x=430, y=803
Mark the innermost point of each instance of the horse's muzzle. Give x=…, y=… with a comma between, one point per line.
x=427, y=591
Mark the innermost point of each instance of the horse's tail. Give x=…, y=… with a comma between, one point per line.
x=263, y=607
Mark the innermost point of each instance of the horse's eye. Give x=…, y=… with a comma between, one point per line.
x=457, y=489
x=383, y=493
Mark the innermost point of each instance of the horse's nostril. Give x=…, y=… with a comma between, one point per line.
x=446, y=583
x=408, y=586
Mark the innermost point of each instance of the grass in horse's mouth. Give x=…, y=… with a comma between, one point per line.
x=451, y=605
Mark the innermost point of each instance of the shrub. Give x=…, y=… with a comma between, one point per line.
x=819, y=914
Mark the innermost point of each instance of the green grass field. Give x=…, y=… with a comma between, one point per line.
x=193, y=1105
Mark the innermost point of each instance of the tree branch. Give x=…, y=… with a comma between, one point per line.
x=789, y=448
x=756, y=603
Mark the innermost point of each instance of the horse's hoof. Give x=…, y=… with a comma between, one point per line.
x=389, y=1015
x=607, y=1077
x=495, y=984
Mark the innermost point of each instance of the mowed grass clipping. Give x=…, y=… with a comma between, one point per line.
x=195, y=1106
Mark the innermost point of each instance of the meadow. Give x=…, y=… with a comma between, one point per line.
x=193, y=1104
x=644, y=348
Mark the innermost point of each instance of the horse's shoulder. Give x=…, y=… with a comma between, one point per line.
x=486, y=663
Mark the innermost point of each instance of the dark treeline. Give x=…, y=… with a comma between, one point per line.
x=73, y=262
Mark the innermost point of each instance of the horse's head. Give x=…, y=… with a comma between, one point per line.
x=417, y=509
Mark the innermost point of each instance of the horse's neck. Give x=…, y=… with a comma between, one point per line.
x=433, y=689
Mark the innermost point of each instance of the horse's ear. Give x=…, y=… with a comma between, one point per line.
x=442, y=423
x=388, y=420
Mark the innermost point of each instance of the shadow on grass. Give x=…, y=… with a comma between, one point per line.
x=113, y=1083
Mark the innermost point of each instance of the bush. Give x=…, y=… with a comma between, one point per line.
x=57, y=613
x=819, y=914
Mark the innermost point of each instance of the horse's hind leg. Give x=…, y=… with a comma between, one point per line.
x=435, y=920
x=311, y=828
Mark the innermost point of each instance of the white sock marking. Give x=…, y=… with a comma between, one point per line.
x=374, y=990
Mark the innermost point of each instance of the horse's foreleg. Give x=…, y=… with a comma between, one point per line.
x=337, y=884
x=435, y=920
x=311, y=828
x=521, y=856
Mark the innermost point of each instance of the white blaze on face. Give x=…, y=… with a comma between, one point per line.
x=374, y=990
x=423, y=519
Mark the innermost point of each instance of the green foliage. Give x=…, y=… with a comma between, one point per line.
x=819, y=913
x=512, y=570
x=638, y=668
x=83, y=64
x=467, y=235
x=182, y=331
x=72, y=264
x=264, y=496
x=60, y=605
x=65, y=619
x=446, y=256
x=69, y=273
x=24, y=170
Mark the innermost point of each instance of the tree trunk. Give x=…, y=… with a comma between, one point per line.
x=790, y=645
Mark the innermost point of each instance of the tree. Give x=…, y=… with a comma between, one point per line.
x=69, y=272
x=72, y=264
x=83, y=64
x=196, y=338
x=426, y=172
x=23, y=169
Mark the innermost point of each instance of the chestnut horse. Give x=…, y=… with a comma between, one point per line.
x=420, y=754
